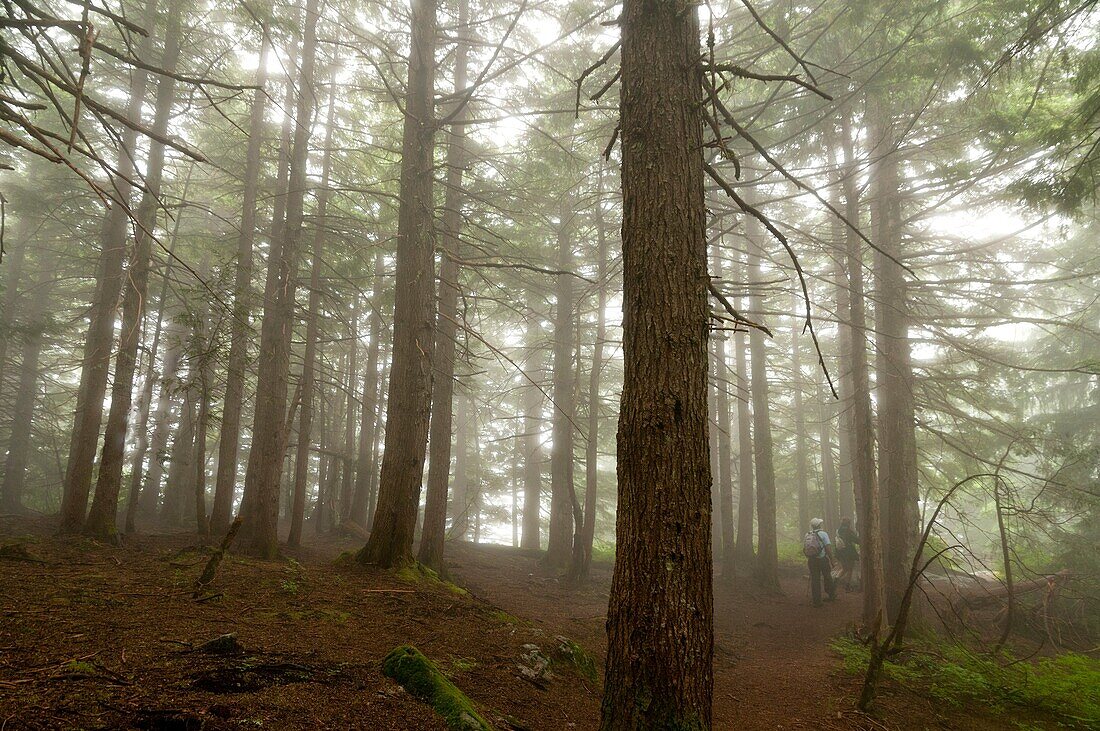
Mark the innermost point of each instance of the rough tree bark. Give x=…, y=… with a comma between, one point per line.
x=101, y=521
x=229, y=437
x=98, y=342
x=659, y=622
x=439, y=463
x=410, y=390
x=269, y=431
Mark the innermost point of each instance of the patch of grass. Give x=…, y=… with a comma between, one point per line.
x=1066, y=686
x=79, y=667
x=502, y=616
x=422, y=679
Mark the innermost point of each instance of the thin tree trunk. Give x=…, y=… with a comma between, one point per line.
x=659, y=623
x=800, y=445
x=828, y=464
x=439, y=463
x=305, y=415
x=225, y=480
x=181, y=472
x=269, y=431
x=150, y=493
x=460, y=504
x=560, y=533
x=532, y=448
x=204, y=378
x=582, y=550
x=725, y=447
x=98, y=342
x=744, y=552
x=862, y=435
x=101, y=521
x=361, y=510
x=767, y=553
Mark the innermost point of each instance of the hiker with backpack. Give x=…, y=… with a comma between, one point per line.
x=847, y=551
x=819, y=555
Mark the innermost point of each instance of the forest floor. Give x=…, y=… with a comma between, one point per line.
x=102, y=637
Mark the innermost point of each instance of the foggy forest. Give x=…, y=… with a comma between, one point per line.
x=549, y=365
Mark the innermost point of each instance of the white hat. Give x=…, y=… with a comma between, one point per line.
x=817, y=523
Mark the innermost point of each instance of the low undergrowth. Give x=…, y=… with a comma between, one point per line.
x=1065, y=687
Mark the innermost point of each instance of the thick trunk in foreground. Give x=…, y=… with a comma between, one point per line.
x=269, y=431
x=98, y=342
x=767, y=554
x=659, y=622
x=862, y=434
x=439, y=464
x=410, y=391
x=229, y=437
x=102, y=516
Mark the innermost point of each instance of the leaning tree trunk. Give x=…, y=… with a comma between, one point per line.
x=101, y=520
x=269, y=431
x=862, y=434
x=439, y=463
x=410, y=391
x=98, y=342
x=659, y=623
x=767, y=554
x=229, y=437
x=560, y=533
x=309, y=359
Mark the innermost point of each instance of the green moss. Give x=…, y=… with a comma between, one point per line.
x=417, y=573
x=1066, y=686
x=462, y=665
x=501, y=616
x=79, y=667
x=420, y=677
x=572, y=654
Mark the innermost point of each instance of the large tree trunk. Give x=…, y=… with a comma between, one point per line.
x=439, y=463
x=269, y=431
x=744, y=558
x=767, y=553
x=862, y=434
x=897, y=440
x=98, y=342
x=659, y=623
x=229, y=437
x=410, y=391
x=532, y=421
x=309, y=378
x=102, y=516
x=582, y=549
x=560, y=533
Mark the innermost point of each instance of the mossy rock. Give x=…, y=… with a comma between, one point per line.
x=572, y=654
x=420, y=677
